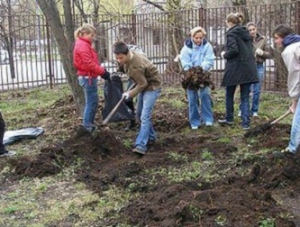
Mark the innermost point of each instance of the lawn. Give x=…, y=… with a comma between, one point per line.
x=209, y=177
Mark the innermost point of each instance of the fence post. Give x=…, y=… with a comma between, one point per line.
x=202, y=17
x=50, y=74
x=297, y=27
x=133, y=19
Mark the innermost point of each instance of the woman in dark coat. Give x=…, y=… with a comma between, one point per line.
x=240, y=68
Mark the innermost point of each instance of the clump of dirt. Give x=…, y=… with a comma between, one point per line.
x=195, y=78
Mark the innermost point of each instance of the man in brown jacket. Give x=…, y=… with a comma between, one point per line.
x=148, y=88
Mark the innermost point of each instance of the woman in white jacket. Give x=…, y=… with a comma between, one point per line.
x=286, y=37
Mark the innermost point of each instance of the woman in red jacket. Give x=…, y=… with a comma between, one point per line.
x=88, y=69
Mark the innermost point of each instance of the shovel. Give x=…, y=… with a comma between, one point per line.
x=113, y=111
x=263, y=128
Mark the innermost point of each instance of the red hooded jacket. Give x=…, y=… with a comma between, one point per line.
x=85, y=59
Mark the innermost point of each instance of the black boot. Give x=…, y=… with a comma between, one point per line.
x=130, y=125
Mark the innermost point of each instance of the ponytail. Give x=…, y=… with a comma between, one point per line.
x=86, y=28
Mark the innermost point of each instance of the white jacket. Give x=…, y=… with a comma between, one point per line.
x=291, y=58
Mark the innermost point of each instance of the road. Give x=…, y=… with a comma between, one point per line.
x=36, y=73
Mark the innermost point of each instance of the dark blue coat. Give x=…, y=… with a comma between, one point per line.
x=240, y=66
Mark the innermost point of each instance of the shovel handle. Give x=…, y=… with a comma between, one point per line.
x=113, y=111
x=281, y=117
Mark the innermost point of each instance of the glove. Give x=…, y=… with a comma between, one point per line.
x=126, y=95
x=222, y=54
x=259, y=52
x=177, y=58
x=106, y=76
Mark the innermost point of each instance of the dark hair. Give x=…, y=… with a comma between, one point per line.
x=235, y=18
x=120, y=47
x=283, y=30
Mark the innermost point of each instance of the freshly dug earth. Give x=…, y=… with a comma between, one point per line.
x=267, y=187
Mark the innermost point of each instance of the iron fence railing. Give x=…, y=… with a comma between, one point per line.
x=35, y=59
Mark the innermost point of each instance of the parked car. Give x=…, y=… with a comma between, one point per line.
x=4, y=58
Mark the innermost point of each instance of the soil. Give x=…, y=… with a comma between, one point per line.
x=268, y=186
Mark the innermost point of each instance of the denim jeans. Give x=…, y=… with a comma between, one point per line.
x=256, y=87
x=295, y=130
x=206, y=106
x=91, y=101
x=145, y=104
x=245, y=106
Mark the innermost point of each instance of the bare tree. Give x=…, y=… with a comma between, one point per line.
x=6, y=33
x=64, y=35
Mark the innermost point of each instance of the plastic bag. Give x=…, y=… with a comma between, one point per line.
x=113, y=90
x=13, y=136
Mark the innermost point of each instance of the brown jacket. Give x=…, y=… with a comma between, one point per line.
x=261, y=42
x=143, y=72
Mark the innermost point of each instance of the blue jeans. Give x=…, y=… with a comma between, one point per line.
x=91, y=101
x=245, y=105
x=206, y=103
x=295, y=130
x=256, y=87
x=145, y=104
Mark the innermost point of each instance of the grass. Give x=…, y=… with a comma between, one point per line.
x=60, y=199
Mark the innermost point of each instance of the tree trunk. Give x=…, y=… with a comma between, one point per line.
x=65, y=45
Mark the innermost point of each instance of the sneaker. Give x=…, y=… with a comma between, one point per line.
x=139, y=150
x=285, y=153
x=7, y=154
x=194, y=127
x=225, y=122
x=81, y=131
x=255, y=114
x=246, y=127
x=209, y=124
x=240, y=113
x=130, y=125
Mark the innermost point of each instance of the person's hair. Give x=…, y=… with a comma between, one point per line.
x=283, y=30
x=120, y=47
x=196, y=30
x=235, y=18
x=251, y=24
x=84, y=29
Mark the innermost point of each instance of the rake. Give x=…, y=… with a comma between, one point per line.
x=264, y=127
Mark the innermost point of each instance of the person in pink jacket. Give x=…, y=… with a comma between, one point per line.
x=88, y=67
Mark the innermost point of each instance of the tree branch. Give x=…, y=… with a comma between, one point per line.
x=155, y=5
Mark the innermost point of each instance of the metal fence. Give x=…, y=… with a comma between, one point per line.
x=36, y=61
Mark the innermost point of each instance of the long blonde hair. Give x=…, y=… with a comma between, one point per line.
x=84, y=29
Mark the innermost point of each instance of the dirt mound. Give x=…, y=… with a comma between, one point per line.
x=233, y=201
x=82, y=145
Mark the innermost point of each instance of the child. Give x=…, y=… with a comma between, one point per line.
x=286, y=37
x=197, y=51
x=148, y=88
x=88, y=69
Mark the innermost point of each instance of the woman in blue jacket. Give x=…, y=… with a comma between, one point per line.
x=197, y=51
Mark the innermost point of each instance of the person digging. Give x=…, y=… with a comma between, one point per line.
x=148, y=88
